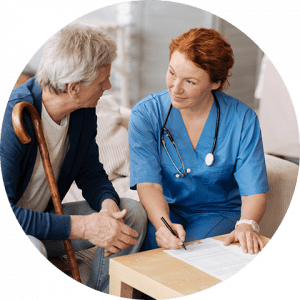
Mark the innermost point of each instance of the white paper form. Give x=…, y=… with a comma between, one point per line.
x=210, y=256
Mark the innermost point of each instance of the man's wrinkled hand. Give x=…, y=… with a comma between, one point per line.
x=107, y=230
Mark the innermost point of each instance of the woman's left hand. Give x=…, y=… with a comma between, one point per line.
x=249, y=239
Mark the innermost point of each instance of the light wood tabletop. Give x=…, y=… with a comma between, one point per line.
x=157, y=274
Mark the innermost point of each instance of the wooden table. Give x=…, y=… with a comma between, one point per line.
x=158, y=275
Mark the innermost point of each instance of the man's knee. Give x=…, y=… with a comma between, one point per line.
x=38, y=244
x=136, y=216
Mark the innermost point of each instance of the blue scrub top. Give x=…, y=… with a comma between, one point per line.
x=239, y=167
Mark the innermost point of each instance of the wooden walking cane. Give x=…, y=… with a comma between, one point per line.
x=24, y=138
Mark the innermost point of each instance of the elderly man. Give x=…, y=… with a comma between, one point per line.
x=72, y=76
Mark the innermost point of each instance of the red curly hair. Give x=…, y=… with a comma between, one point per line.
x=208, y=50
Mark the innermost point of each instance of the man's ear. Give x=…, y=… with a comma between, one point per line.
x=73, y=89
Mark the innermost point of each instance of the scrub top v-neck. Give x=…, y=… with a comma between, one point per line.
x=176, y=126
x=239, y=166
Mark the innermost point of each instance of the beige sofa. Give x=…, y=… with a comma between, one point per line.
x=114, y=154
x=282, y=178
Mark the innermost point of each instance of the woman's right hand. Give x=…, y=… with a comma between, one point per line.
x=165, y=239
x=152, y=198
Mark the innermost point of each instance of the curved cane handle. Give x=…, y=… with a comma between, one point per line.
x=24, y=138
x=18, y=124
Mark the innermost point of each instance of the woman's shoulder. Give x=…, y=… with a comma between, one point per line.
x=230, y=104
x=151, y=110
x=154, y=101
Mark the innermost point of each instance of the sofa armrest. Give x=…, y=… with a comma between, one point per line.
x=282, y=177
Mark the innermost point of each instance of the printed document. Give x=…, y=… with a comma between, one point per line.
x=210, y=256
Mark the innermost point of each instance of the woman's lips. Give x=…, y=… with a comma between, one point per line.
x=179, y=98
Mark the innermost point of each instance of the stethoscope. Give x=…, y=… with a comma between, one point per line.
x=209, y=159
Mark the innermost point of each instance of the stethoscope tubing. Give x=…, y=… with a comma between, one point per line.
x=169, y=135
x=217, y=123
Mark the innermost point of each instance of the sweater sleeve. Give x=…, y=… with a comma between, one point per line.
x=17, y=161
x=92, y=179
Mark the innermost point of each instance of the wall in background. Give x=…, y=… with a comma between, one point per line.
x=247, y=64
x=154, y=25
x=149, y=27
x=110, y=13
x=113, y=13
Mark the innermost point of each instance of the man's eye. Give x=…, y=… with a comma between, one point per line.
x=191, y=82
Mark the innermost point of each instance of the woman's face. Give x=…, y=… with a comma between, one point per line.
x=189, y=86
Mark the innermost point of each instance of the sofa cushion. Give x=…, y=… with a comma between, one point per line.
x=112, y=138
x=282, y=178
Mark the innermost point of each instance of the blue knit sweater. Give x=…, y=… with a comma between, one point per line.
x=81, y=164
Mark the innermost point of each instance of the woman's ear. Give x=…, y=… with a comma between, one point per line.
x=73, y=89
x=216, y=85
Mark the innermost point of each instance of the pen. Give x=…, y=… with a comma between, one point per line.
x=172, y=231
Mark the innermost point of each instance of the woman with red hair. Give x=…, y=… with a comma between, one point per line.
x=196, y=153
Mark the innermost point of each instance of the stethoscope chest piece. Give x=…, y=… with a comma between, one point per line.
x=209, y=159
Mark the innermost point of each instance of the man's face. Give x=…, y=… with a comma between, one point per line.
x=88, y=96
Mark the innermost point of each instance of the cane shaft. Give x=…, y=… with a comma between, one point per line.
x=24, y=138
x=72, y=260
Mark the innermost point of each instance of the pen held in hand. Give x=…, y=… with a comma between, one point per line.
x=172, y=231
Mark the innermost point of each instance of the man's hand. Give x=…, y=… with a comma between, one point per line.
x=110, y=205
x=249, y=239
x=105, y=229
x=167, y=240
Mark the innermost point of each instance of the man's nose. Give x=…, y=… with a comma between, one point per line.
x=107, y=85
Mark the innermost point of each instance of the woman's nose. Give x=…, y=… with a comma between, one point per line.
x=177, y=87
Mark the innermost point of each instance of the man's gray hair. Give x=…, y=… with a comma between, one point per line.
x=74, y=54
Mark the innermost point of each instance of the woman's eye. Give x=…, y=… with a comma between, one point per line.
x=191, y=82
x=171, y=72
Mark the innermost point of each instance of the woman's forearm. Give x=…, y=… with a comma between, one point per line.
x=253, y=207
x=154, y=202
